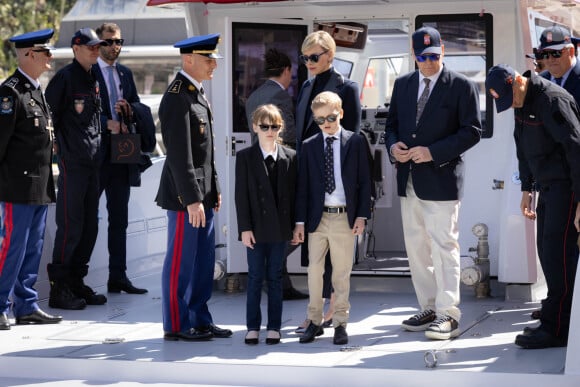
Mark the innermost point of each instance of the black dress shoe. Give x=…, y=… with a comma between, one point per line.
x=311, y=332
x=252, y=340
x=191, y=335
x=530, y=330
x=536, y=314
x=327, y=323
x=340, y=335
x=4, y=322
x=216, y=331
x=293, y=294
x=118, y=286
x=539, y=339
x=38, y=317
x=273, y=340
x=85, y=292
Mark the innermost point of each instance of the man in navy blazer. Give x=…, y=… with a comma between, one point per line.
x=333, y=201
x=115, y=178
x=434, y=117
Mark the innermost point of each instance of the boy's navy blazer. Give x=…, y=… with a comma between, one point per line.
x=355, y=171
x=450, y=125
x=255, y=203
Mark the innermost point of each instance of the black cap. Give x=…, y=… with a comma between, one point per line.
x=426, y=40
x=499, y=83
x=86, y=37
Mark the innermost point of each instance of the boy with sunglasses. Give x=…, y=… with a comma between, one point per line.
x=434, y=118
x=333, y=201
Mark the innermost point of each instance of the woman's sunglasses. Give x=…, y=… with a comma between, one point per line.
x=313, y=58
x=264, y=127
x=320, y=120
x=546, y=54
x=431, y=57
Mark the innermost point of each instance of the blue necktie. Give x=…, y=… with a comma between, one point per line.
x=329, y=184
x=558, y=81
x=113, y=96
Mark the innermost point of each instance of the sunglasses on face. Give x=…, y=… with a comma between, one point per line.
x=118, y=42
x=264, y=127
x=46, y=52
x=320, y=120
x=546, y=54
x=431, y=57
x=312, y=58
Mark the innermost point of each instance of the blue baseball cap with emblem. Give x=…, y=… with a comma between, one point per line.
x=426, y=40
x=86, y=37
x=205, y=45
x=38, y=39
x=555, y=38
x=499, y=83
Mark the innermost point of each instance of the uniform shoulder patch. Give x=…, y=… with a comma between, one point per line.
x=6, y=104
x=175, y=87
x=12, y=82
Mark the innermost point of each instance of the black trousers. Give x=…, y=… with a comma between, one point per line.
x=558, y=252
x=115, y=184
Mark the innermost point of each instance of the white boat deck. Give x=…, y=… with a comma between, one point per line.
x=121, y=344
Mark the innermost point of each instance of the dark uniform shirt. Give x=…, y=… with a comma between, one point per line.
x=73, y=95
x=25, y=143
x=547, y=136
x=189, y=173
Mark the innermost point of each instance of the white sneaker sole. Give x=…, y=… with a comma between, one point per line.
x=442, y=335
x=415, y=328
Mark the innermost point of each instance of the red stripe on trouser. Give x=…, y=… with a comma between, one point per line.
x=64, y=179
x=175, y=265
x=571, y=215
x=8, y=226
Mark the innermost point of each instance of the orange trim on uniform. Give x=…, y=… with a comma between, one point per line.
x=8, y=227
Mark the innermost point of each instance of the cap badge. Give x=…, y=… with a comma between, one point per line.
x=493, y=93
x=426, y=40
x=549, y=37
x=79, y=105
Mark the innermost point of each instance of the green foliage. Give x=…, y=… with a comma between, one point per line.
x=20, y=16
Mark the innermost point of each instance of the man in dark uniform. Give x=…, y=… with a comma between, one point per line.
x=73, y=95
x=26, y=181
x=118, y=92
x=547, y=137
x=190, y=193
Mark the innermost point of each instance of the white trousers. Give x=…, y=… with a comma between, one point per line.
x=431, y=239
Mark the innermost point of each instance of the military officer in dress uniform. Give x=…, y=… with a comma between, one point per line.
x=190, y=193
x=26, y=181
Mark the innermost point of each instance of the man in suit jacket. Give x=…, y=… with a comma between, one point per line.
x=433, y=119
x=332, y=213
x=278, y=69
x=116, y=82
x=190, y=193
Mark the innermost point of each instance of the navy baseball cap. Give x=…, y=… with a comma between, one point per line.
x=38, y=39
x=499, y=83
x=555, y=38
x=426, y=40
x=86, y=37
x=205, y=45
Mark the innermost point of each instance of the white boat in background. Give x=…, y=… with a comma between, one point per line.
x=121, y=343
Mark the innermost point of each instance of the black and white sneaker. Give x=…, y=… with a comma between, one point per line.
x=443, y=328
x=420, y=321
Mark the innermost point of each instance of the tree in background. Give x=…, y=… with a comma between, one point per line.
x=20, y=16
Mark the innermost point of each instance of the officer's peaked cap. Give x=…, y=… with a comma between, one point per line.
x=203, y=45
x=37, y=39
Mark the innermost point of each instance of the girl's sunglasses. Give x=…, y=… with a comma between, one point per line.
x=320, y=120
x=431, y=57
x=313, y=58
x=264, y=128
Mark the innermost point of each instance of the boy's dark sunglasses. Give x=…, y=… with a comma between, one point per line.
x=118, y=42
x=320, y=120
x=431, y=57
x=313, y=58
x=546, y=54
x=265, y=128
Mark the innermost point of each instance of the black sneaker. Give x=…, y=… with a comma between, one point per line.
x=420, y=321
x=444, y=328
